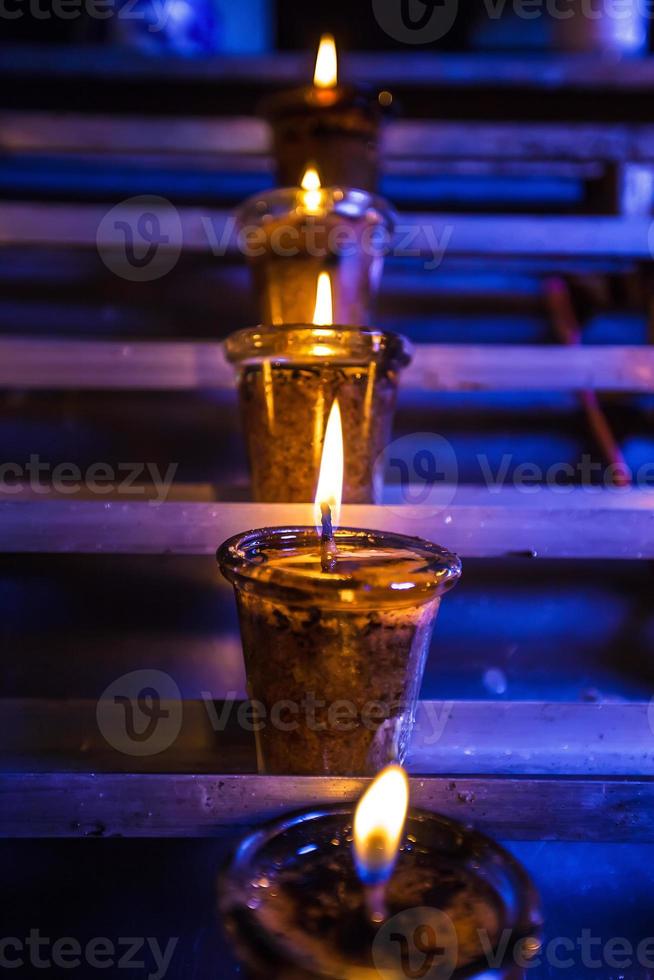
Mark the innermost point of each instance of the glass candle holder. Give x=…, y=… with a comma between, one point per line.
x=288, y=380
x=335, y=660
x=291, y=235
x=295, y=910
x=338, y=128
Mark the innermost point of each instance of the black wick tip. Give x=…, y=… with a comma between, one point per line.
x=327, y=526
x=327, y=542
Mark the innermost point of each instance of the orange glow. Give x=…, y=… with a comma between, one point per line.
x=326, y=74
x=312, y=197
x=323, y=314
x=330, y=481
x=379, y=822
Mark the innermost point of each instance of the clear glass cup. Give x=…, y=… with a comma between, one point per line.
x=335, y=660
x=288, y=380
x=290, y=236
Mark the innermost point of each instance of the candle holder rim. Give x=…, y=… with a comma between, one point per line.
x=529, y=916
x=306, y=343
x=307, y=99
x=332, y=199
x=239, y=561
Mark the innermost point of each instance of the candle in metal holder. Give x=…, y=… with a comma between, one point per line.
x=335, y=653
x=458, y=905
x=336, y=125
x=289, y=378
x=293, y=234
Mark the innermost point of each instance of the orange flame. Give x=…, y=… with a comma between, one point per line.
x=326, y=74
x=330, y=481
x=379, y=823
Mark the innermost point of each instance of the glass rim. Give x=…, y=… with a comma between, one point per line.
x=348, y=203
x=310, y=344
x=436, y=570
x=526, y=921
x=305, y=100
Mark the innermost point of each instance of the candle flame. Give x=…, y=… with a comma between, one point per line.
x=326, y=74
x=312, y=197
x=311, y=179
x=323, y=315
x=378, y=825
x=330, y=480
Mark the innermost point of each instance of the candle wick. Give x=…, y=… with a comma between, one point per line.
x=327, y=541
x=376, y=905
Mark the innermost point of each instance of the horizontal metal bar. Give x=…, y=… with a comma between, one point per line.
x=554, y=72
x=492, y=531
x=469, y=738
x=63, y=364
x=246, y=137
x=430, y=235
x=134, y=805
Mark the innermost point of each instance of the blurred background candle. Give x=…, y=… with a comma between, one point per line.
x=289, y=378
x=335, y=652
x=299, y=232
x=334, y=124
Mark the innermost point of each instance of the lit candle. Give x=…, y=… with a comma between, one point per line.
x=378, y=824
x=334, y=124
x=335, y=616
x=456, y=903
x=295, y=233
x=289, y=380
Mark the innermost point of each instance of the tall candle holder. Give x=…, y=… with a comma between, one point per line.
x=289, y=378
x=335, y=654
x=295, y=233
